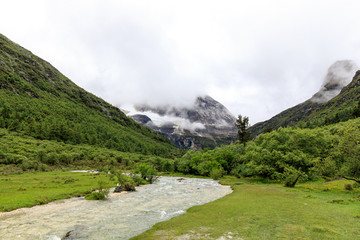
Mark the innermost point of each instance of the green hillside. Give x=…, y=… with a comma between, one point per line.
x=37, y=100
x=20, y=153
x=339, y=109
x=311, y=114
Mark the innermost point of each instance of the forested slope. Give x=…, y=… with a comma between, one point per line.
x=37, y=100
x=341, y=108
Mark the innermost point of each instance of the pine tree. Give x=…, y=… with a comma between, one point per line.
x=242, y=123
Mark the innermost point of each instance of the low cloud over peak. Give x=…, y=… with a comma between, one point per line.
x=338, y=76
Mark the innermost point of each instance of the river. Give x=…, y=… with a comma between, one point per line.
x=122, y=216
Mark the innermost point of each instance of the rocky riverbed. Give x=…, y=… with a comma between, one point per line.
x=122, y=216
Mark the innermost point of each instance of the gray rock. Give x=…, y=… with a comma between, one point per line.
x=118, y=189
x=79, y=231
x=207, y=123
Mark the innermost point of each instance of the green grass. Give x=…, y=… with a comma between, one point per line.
x=269, y=211
x=29, y=189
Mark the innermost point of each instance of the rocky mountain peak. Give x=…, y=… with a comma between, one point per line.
x=339, y=92
x=205, y=110
x=142, y=119
x=338, y=76
x=205, y=118
x=211, y=111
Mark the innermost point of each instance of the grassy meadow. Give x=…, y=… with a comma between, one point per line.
x=29, y=189
x=269, y=211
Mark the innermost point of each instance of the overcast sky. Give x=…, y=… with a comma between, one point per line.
x=255, y=57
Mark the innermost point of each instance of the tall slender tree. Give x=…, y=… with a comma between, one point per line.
x=242, y=123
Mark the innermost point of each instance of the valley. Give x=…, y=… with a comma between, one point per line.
x=120, y=217
x=297, y=177
x=268, y=211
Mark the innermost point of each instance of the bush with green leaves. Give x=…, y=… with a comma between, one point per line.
x=126, y=182
x=216, y=173
x=326, y=168
x=101, y=193
x=148, y=172
x=202, y=162
x=163, y=164
x=349, y=145
x=138, y=180
x=291, y=176
x=242, y=170
x=289, y=155
x=28, y=154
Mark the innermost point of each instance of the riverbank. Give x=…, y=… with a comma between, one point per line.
x=30, y=189
x=37, y=188
x=269, y=211
x=119, y=217
x=254, y=210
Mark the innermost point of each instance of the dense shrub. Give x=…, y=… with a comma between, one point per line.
x=216, y=173
x=349, y=146
x=26, y=153
x=148, y=172
x=129, y=186
x=202, y=162
x=100, y=194
x=289, y=155
x=138, y=180
x=242, y=170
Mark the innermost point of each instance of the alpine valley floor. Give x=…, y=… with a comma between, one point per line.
x=258, y=210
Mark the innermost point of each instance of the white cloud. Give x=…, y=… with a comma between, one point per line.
x=157, y=120
x=256, y=57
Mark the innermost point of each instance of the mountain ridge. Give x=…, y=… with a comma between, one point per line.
x=313, y=113
x=206, y=123
x=39, y=101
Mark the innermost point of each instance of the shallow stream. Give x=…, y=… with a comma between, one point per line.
x=123, y=216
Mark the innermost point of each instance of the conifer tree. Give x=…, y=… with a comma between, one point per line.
x=242, y=123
